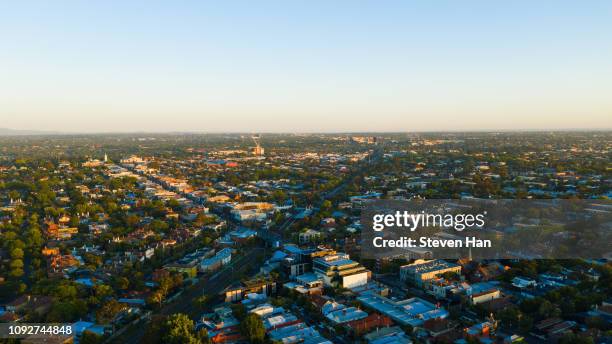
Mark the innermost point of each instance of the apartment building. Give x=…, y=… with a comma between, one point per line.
x=338, y=270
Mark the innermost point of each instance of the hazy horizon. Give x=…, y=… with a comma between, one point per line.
x=26, y=132
x=315, y=67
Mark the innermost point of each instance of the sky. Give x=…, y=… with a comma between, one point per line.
x=305, y=66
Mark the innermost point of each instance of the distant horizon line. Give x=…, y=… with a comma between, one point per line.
x=35, y=132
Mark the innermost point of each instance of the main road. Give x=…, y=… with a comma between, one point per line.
x=276, y=234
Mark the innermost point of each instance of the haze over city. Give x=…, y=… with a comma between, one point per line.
x=310, y=67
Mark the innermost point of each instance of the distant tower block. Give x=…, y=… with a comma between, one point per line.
x=105, y=157
x=258, y=149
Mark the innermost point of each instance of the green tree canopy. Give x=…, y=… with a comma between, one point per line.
x=253, y=328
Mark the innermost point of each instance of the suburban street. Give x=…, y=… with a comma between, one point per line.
x=184, y=303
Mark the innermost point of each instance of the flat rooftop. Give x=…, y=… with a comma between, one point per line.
x=414, y=311
x=308, y=277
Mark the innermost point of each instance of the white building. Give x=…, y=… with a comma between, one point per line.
x=338, y=270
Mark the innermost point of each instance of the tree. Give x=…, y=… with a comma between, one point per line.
x=16, y=264
x=179, y=329
x=547, y=310
x=203, y=336
x=93, y=261
x=158, y=226
x=67, y=311
x=89, y=337
x=108, y=311
x=253, y=328
x=509, y=316
x=239, y=311
x=34, y=237
x=206, y=240
x=174, y=204
x=525, y=323
x=65, y=291
x=16, y=273
x=17, y=253
x=571, y=338
x=102, y=291
x=204, y=220
x=156, y=298
x=165, y=285
x=122, y=283
x=326, y=206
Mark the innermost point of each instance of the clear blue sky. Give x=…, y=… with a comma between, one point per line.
x=305, y=65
